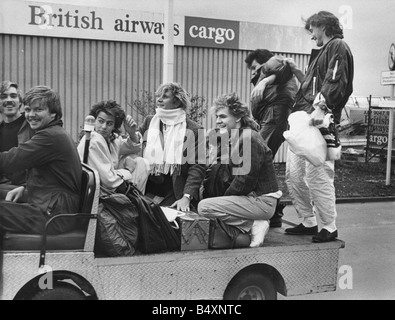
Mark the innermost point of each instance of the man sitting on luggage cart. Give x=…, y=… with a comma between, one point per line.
x=54, y=170
x=14, y=129
x=251, y=196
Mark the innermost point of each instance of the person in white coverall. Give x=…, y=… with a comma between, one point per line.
x=330, y=72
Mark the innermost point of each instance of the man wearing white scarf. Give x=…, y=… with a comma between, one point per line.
x=166, y=156
x=176, y=174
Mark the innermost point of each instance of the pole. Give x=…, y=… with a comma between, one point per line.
x=367, y=131
x=389, y=151
x=390, y=138
x=168, y=49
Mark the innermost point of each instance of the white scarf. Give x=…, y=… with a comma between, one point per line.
x=166, y=156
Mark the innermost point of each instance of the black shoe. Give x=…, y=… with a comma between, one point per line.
x=301, y=230
x=276, y=221
x=325, y=236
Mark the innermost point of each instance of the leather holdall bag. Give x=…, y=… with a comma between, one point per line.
x=222, y=236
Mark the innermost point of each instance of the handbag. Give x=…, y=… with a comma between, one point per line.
x=223, y=236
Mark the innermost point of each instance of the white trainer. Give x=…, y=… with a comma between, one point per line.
x=259, y=230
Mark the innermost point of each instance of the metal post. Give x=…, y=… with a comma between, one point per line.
x=368, y=129
x=390, y=138
x=389, y=151
x=168, y=49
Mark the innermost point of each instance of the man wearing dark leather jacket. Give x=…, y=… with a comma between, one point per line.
x=330, y=73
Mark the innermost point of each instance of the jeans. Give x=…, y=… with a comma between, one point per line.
x=238, y=211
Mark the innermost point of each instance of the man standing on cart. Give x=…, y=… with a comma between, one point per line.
x=330, y=74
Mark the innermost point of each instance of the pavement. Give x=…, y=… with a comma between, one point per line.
x=368, y=259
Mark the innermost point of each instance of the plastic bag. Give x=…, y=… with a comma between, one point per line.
x=305, y=140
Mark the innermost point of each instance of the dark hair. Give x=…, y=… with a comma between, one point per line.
x=260, y=55
x=236, y=108
x=328, y=20
x=112, y=108
x=47, y=97
x=5, y=85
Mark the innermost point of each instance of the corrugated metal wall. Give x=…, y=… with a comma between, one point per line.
x=88, y=71
x=82, y=71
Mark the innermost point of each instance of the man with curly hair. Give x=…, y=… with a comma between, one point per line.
x=329, y=76
x=115, y=156
x=250, y=198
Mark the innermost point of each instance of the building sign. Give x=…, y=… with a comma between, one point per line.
x=35, y=18
x=201, y=32
x=378, y=127
x=387, y=78
x=71, y=21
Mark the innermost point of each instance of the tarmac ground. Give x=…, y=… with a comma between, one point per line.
x=368, y=229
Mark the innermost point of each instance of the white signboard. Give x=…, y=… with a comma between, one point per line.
x=37, y=18
x=72, y=21
x=387, y=78
x=387, y=104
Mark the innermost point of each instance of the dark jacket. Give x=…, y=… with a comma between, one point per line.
x=193, y=168
x=336, y=87
x=280, y=94
x=25, y=133
x=54, y=170
x=250, y=164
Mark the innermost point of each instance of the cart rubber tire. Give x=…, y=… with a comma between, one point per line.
x=251, y=286
x=61, y=291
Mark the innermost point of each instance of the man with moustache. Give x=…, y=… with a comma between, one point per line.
x=14, y=130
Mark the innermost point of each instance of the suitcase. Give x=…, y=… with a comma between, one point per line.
x=194, y=232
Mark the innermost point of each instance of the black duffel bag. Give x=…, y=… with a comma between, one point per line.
x=117, y=230
x=156, y=234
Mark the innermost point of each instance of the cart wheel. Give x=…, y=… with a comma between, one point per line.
x=61, y=291
x=251, y=286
